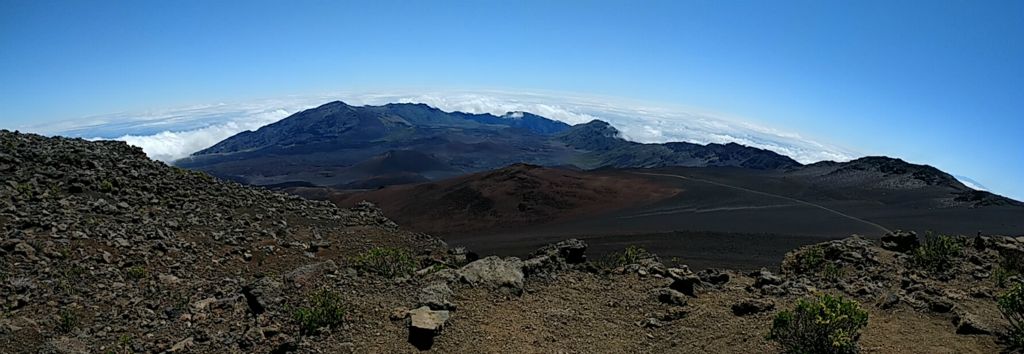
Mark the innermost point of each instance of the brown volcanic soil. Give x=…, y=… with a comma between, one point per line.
x=505, y=199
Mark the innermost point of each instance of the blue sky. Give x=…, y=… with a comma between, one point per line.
x=937, y=82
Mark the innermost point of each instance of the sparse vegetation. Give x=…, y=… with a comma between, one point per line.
x=632, y=254
x=24, y=189
x=1011, y=263
x=810, y=260
x=1011, y=305
x=387, y=261
x=106, y=186
x=833, y=272
x=70, y=278
x=938, y=254
x=67, y=321
x=325, y=309
x=136, y=272
x=1000, y=275
x=826, y=324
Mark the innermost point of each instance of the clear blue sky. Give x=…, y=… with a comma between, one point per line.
x=938, y=82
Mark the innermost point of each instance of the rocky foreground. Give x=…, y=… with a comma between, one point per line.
x=106, y=251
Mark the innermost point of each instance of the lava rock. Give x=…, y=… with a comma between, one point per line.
x=683, y=280
x=752, y=306
x=424, y=325
x=671, y=297
x=437, y=296
x=763, y=278
x=494, y=272
x=900, y=241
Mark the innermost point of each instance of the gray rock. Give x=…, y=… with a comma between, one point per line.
x=25, y=249
x=494, y=272
x=888, y=301
x=555, y=257
x=573, y=251
x=968, y=323
x=310, y=272
x=752, y=306
x=671, y=297
x=713, y=277
x=763, y=277
x=424, y=325
x=900, y=241
x=437, y=296
x=683, y=280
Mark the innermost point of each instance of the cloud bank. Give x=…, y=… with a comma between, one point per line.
x=171, y=134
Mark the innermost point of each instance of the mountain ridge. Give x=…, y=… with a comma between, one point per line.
x=321, y=145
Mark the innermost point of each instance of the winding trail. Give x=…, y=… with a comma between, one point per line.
x=833, y=211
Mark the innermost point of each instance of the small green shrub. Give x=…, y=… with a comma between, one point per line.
x=387, y=261
x=809, y=260
x=67, y=321
x=1010, y=263
x=1001, y=274
x=70, y=278
x=106, y=186
x=24, y=188
x=1011, y=305
x=325, y=310
x=833, y=272
x=632, y=254
x=938, y=254
x=137, y=272
x=826, y=324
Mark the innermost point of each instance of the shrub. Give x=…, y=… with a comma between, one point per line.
x=938, y=253
x=1011, y=305
x=70, y=278
x=386, y=261
x=1001, y=274
x=136, y=272
x=1010, y=263
x=67, y=321
x=632, y=254
x=325, y=310
x=106, y=186
x=826, y=324
x=1011, y=260
x=809, y=260
x=833, y=272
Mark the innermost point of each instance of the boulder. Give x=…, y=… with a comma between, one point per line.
x=900, y=241
x=683, y=280
x=713, y=277
x=968, y=323
x=424, y=325
x=572, y=251
x=555, y=257
x=494, y=272
x=437, y=296
x=671, y=297
x=763, y=278
x=752, y=306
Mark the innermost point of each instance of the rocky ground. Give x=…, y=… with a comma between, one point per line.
x=105, y=251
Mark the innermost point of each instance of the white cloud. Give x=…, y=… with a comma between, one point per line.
x=970, y=183
x=175, y=133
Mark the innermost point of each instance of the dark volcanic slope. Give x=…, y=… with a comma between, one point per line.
x=103, y=248
x=505, y=199
x=605, y=148
x=713, y=215
x=333, y=144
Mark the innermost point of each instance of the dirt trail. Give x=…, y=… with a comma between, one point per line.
x=833, y=211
